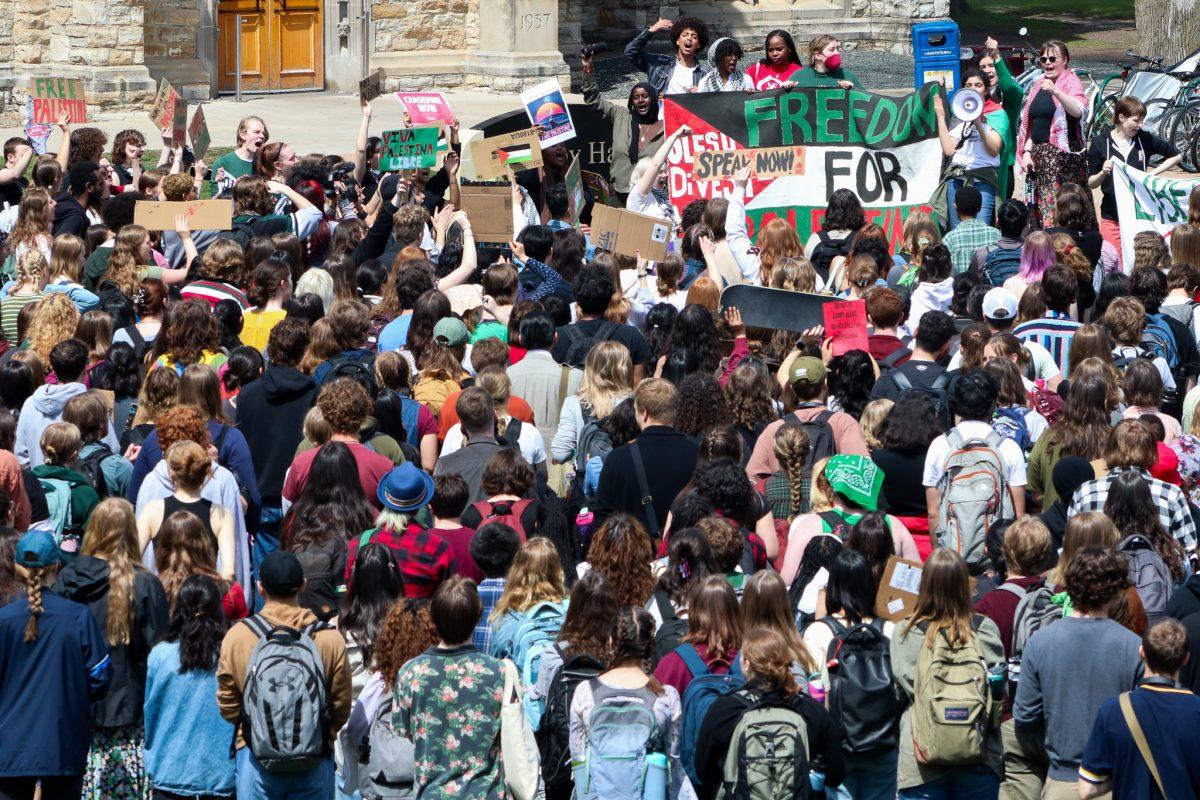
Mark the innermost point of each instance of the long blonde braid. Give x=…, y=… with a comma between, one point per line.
x=791, y=449
x=33, y=590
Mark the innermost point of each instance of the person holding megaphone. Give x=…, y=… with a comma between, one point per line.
x=974, y=144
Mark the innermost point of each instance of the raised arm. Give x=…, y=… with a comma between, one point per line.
x=360, y=144
x=63, y=156
x=635, y=51
x=298, y=200
x=650, y=175
x=736, y=235
x=184, y=230
x=10, y=174
x=470, y=257
x=948, y=143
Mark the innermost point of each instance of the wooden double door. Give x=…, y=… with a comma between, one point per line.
x=282, y=45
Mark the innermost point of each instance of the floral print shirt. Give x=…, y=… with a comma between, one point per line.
x=448, y=704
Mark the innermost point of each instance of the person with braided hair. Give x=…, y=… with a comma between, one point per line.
x=54, y=647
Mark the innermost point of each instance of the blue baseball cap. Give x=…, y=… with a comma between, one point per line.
x=37, y=549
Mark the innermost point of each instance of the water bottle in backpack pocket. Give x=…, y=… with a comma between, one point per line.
x=1035, y=610
x=621, y=733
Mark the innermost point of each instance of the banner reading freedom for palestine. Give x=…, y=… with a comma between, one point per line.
x=1148, y=203
x=884, y=149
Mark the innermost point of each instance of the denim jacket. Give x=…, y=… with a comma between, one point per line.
x=657, y=66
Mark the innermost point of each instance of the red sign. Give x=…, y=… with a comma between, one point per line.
x=425, y=107
x=52, y=96
x=846, y=324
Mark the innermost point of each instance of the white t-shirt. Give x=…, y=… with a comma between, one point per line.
x=1043, y=363
x=530, y=441
x=939, y=450
x=681, y=79
x=972, y=154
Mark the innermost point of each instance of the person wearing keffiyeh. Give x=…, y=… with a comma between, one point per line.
x=637, y=126
x=725, y=54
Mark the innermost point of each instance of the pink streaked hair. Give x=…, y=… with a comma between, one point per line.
x=1037, y=256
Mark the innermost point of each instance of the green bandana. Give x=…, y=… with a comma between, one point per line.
x=856, y=478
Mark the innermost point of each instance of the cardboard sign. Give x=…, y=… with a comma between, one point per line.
x=575, y=195
x=408, y=148
x=781, y=309
x=425, y=107
x=203, y=215
x=548, y=110
x=490, y=210
x=52, y=96
x=179, y=123
x=162, y=113
x=625, y=232
x=198, y=131
x=767, y=162
x=371, y=86
x=496, y=156
x=898, y=590
x=846, y=324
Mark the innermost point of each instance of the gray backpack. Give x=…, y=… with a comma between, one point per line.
x=1149, y=575
x=768, y=754
x=1035, y=610
x=621, y=732
x=974, y=494
x=387, y=758
x=285, y=702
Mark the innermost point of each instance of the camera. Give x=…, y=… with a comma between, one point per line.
x=590, y=50
x=344, y=173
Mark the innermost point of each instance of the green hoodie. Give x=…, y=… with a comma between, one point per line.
x=83, y=497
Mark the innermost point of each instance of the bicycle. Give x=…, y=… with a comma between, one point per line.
x=1112, y=89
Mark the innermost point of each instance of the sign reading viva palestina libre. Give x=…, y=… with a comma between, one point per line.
x=884, y=149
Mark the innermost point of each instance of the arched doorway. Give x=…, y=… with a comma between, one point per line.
x=282, y=45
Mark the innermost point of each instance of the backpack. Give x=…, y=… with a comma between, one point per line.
x=140, y=345
x=114, y=303
x=838, y=526
x=621, y=732
x=386, y=758
x=1158, y=339
x=1047, y=403
x=1001, y=264
x=580, y=344
x=360, y=367
x=936, y=391
x=860, y=696
x=701, y=693
x=61, y=523
x=894, y=358
x=952, y=705
x=1035, y=610
x=590, y=454
x=768, y=754
x=1010, y=422
x=1149, y=575
x=821, y=443
x=827, y=250
x=241, y=232
x=671, y=631
x=503, y=511
x=432, y=392
x=512, y=435
x=322, y=579
x=535, y=634
x=973, y=494
x=285, y=708
x=553, y=734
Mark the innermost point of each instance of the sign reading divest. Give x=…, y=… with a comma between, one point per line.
x=51, y=96
x=409, y=148
x=884, y=149
x=1148, y=203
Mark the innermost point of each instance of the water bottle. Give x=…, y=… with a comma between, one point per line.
x=816, y=688
x=656, y=777
x=816, y=779
x=997, y=679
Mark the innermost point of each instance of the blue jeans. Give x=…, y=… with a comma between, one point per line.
x=265, y=542
x=986, y=214
x=964, y=783
x=254, y=781
x=869, y=776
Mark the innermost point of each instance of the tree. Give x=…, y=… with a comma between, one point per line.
x=1167, y=29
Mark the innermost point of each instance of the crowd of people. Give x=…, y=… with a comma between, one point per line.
x=340, y=503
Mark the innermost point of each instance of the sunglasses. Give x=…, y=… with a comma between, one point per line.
x=1048, y=59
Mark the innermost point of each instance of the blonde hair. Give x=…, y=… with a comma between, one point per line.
x=791, y=450
x=536, y=576
x=767, y=658
x=1071, y=256
x=607, y=378
x=32, y=269
x=111, y=535
x=189, y=463
x=123, y=267
x=244, y=124
x=919, y=233
x=316, y=429
x=795, y=274
x=818, y=44
x=874, y=417
x=54, y=321
x=60, y=444
x=821, y=493
x=34, y=217
x=67, y=257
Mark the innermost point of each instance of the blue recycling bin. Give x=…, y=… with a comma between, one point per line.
x=936, y=54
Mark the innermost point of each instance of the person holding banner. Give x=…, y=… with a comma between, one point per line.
x=825, y=60
x=681, y=72
x=974, y=148
x=779, y=65
x=1050, y=138
x=1127, y=142
x=648, y=183
x=637, y=127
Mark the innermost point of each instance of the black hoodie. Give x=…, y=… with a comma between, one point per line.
x=270, y=414
x=1186, y=599
x=86, y=581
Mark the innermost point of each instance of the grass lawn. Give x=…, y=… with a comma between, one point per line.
x=150, y=161
x=1099, y=29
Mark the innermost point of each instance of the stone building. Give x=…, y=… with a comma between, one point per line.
x=121, y=48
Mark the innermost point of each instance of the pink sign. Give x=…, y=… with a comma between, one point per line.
x=425, y=107
x=846, y=324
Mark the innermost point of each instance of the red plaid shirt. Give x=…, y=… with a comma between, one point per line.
x=425, y=559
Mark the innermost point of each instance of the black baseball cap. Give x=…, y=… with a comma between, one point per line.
x=281, y=574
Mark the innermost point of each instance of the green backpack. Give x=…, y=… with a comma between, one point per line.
x=768, y=754
x=952, y=708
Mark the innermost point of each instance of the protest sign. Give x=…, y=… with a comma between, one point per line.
x=490, y=210
x=625, y=232
x=203, y=215
x=575, y=195
x=198, y=131
x=846, y=325
x=1148, y=203
x=898, y=590
x=179, y=123
x=371, y=86
x=768, y=162
x=548, y=110
x=592, y=142
x=781, y=309
x=426, y=107
x=884, y=149
x=162, y=113
x=496, y=156
x=408, y=148
x=52, y=96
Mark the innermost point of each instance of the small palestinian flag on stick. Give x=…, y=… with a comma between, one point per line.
x=513, y=154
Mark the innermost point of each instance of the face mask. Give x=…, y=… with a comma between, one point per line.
x=834, y=61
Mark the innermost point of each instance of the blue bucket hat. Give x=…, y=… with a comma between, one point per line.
x=405, y=489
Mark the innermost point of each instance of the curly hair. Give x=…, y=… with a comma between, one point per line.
x=54, y=321
x=690, y=23
x=344, y=404
x=1096, y=578
x=727, y=487
x=191, y=330
x=696, y=329
x=34, y=216
x=621, y=551
x=87, y=144
x=128, y=136
x=701, y=404
x=181, y=423
x=223, y=261
x=748, y=395
x=407, y=632
x=851, y=377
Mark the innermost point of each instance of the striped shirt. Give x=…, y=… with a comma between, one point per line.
x=1053, y=332
x=213, y=292
x=10, y=309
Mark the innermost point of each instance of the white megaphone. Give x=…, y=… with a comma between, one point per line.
x=967, y=104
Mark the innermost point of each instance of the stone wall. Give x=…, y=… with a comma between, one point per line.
x=406, y=25
x=170, y=29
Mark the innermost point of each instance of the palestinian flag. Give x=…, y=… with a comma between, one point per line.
x=515, y=154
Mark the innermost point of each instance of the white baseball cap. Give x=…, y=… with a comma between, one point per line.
x=999, y=303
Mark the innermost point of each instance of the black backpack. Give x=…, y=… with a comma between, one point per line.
x=512, y=435
x=938, y=391
x=92, y=469
x=860, y=695
x=580, y=344
x=894, y=358
x=553, y=735
x=116, y=305
x=821, y=443
x=360, y=367
x=827, y=250
x=672, y=630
